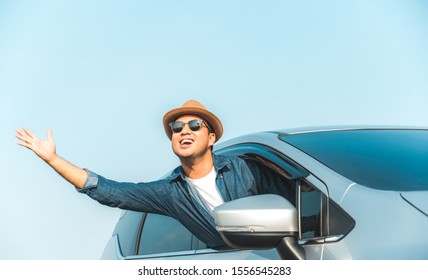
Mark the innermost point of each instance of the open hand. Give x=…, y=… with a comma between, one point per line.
x=45, y=149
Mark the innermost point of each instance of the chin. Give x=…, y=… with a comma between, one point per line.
x=184, y=154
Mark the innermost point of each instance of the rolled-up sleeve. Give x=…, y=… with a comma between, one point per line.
x=91, y=181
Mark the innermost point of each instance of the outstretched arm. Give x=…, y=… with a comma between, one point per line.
x=46, y=150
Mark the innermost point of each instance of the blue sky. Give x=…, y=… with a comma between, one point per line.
x=101, y=75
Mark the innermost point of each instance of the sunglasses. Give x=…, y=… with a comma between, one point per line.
x=194, y=125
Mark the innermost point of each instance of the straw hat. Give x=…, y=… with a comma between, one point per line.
x=193, y=107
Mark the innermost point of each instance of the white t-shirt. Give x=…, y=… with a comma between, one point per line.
x=207, y=189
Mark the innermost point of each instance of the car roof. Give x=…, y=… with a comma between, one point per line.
x=304, y=130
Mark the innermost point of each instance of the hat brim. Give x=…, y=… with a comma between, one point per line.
x=206, y=115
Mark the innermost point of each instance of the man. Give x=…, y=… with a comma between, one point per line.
x=192, y=191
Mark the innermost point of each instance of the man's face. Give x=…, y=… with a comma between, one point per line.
x=188, y=143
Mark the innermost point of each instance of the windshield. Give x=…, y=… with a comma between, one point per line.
x=382, y=159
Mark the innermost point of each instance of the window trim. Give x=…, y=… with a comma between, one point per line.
x=140, y=232
x=294, y=170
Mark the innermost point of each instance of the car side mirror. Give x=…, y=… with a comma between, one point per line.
x=260, y=222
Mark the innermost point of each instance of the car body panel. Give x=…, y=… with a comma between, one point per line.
x=112, y=250
x=417, y=199
x=385, y=228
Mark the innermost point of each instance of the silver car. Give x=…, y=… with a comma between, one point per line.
x=361, y=193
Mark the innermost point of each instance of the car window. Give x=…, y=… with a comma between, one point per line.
x=311, y=201
x=382, y=159
x=271, y=178
x=162, y=234
x=340, y=222
x=127, y=231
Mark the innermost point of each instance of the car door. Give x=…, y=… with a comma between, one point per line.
x=311, y=198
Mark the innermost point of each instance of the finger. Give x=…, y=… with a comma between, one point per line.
x=23, y=133
x=20, y=132
x=50, y=135
x=24, y=136
x=29, y=133
x=24, y=144
x=20, y=137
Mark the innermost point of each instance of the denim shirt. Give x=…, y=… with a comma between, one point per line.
x=236, y=178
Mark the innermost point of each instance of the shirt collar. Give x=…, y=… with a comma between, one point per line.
x=220, y=162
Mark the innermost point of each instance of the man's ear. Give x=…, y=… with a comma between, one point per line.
x=212, y=139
